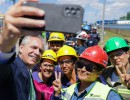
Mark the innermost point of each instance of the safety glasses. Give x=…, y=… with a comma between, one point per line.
x=68, y=61
x=88, y=67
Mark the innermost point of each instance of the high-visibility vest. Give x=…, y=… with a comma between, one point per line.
x=123, y=91
x=98, y=92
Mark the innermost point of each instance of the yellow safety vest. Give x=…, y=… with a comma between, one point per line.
x=98, y=92
x=124, y=92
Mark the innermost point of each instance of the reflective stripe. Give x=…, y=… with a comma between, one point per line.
x=68, y=92
x=98, y=92
x=67, y=96
x=123, y=91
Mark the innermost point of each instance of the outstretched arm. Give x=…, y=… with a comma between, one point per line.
x=14, y=20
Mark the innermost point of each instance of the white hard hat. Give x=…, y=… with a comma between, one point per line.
x=82, y=35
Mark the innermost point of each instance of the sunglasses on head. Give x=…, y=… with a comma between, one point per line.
x=88, y=67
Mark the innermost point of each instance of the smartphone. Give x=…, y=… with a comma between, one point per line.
x=66, y=18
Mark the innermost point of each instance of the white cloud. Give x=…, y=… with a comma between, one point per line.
x=2, y=1
x=114, y=9
x=80, y=2
x=117, y=9
x=94, y=8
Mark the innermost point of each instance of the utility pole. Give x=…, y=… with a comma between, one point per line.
x=103, y=16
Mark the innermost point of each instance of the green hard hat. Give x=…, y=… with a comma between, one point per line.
x=115, y=43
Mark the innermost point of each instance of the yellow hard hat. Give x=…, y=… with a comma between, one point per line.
x=49, y=54
x=56, y=36
x=67, y=51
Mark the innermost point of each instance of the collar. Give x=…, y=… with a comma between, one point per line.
x=65, y=81
x=87, y=90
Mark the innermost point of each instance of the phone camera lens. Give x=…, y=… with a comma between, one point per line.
x=77, y=10
x=67, y=11
x=73, y=11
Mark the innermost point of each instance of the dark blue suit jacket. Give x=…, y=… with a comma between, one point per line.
x=14, y=80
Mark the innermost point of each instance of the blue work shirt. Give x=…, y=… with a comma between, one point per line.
x=93, y=40
x=65, y=81
x=73, y=39
x=111, y=96
x=114, y=77
x=80, y=49
x=95, y=36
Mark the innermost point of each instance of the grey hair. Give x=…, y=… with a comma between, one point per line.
x=26, y=39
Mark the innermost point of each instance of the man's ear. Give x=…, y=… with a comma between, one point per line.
x=21, y=48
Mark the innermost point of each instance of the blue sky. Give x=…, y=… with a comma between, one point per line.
x=114, y=9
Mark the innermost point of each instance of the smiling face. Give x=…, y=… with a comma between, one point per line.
x=67, y=65
x=55, y=45
x=84, y=74
x=119, y=58
x=31, y=52
x=46, y=68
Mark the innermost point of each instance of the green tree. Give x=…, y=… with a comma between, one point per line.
x=128, y=16
x=123, y=18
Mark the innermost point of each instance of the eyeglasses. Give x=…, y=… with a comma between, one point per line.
x=47, y=65
x=117, y=53
x=68, y=61
x=88, y=67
